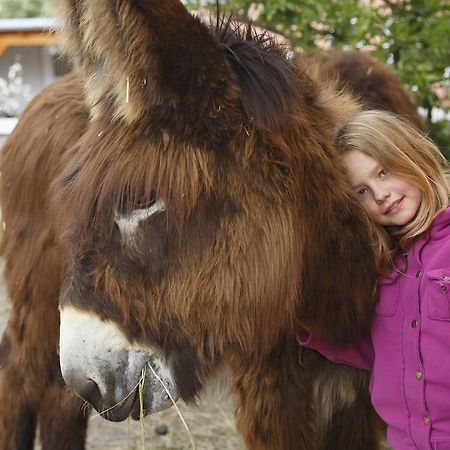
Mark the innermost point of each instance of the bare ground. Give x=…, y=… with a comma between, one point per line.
x=212, y=428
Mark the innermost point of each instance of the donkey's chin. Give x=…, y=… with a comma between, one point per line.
x=120, y=412
x=154, y=394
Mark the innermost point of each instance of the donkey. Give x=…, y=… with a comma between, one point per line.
x=372, y=81
x=180, y=199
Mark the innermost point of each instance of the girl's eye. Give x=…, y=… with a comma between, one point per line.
x=361, y=192
x=382, y=173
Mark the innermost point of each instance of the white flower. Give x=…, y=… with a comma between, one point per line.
x=12, y=90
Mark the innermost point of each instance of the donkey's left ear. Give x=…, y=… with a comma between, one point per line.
x=144, y=54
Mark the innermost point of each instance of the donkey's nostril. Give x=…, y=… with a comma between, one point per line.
x=90, y=392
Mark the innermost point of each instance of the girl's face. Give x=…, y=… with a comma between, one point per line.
x=388, y=199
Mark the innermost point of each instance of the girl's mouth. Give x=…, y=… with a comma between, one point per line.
x=393, y=207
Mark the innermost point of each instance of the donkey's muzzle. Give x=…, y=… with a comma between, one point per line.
x=90, y=392
x=105, y=370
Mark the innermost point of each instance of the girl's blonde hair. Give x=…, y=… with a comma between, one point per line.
x=405, y=152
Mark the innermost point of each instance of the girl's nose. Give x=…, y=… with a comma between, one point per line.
x=381, y=195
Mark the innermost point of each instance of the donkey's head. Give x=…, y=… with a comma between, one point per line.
x=204, y=211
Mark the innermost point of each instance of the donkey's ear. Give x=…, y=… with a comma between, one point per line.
x=141, y=54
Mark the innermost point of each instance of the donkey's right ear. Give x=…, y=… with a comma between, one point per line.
x=140, y=54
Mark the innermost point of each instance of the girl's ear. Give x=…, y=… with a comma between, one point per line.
x=139, y=54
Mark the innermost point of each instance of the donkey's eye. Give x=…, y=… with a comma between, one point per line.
x=133, y=203
x=145, y=202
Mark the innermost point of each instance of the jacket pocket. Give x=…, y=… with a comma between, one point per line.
x=388, y=294
x=441, y=445
x=438, y=285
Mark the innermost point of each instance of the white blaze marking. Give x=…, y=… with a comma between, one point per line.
x=128, y=224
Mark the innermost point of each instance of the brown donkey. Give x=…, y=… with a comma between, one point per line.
x=181, y=199
x=372, y=81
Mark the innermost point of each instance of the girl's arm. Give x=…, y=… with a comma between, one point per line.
x=360, y=355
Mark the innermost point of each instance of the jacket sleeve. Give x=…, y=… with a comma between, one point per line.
x=360, y=355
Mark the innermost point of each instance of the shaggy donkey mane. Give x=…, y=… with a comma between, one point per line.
x=269, y=83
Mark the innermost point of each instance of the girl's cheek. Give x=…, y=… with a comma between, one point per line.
x=371, y=213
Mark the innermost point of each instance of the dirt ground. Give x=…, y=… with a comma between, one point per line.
x=212, y=428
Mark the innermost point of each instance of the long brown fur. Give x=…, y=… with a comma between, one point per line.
x=261, y=231
x=31, y=386
x=374, y=83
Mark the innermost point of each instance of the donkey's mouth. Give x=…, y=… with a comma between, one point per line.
x=119, y=413
x=149, y=396
x=152, y=394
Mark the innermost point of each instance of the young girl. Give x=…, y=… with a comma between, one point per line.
x=399, y=177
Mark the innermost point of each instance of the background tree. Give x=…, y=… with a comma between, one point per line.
x=25, y=8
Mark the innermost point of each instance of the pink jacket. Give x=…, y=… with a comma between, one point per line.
x=409, y=351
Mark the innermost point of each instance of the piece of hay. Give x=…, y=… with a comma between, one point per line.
x=191, y=438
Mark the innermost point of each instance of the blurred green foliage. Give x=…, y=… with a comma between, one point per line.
x=412, y=36
x=25, y=8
